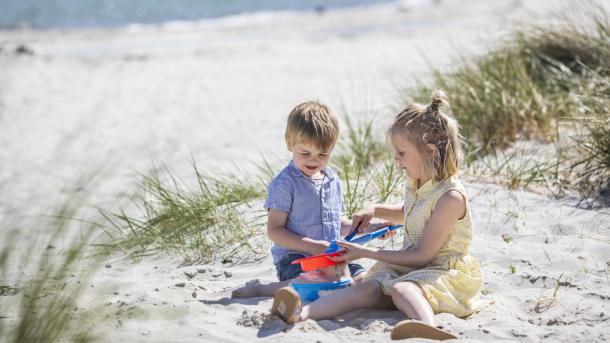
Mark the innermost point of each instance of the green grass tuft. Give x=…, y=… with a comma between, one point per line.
x=521, y=89
x=42, y=278
x=542, y=83
x=199, y=224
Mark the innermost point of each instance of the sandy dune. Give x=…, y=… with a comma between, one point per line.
x=108, y=102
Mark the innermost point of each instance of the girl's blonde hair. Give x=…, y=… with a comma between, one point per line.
x=312, y=122
x=427, y=124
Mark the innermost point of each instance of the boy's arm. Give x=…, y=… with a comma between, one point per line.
x=277, y=232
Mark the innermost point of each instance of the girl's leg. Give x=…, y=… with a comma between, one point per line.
x=366, y=294
x=256, y=289
x=410, y=298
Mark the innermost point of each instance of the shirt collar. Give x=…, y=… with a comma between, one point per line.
x=328, y=171
x=426, y=187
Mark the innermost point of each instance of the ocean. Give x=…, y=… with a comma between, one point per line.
x=46, y=14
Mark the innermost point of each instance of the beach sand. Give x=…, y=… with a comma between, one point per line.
x=87, y=110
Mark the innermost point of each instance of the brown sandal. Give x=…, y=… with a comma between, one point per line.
x=286, y=305
x=414, y=329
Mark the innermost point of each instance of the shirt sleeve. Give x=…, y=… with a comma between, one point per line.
x=279, y=195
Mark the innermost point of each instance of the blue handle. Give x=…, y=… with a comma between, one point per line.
x=370, y=236
x=351, y=235
x=334, y=247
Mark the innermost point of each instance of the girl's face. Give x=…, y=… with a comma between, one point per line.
x=408, y=157
x=309, y=158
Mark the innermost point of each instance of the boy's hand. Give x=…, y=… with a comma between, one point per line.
x=320, y=247
x=361, y=219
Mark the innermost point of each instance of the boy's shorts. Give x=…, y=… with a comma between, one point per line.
x=286, y=270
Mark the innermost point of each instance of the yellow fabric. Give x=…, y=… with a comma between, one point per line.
x=453, y=279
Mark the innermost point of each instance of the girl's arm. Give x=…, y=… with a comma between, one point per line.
x=448, y=210
x=277, y=232
x=393, y=213
x=346, y=227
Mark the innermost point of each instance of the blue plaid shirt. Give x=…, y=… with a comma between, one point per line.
x=312, y=214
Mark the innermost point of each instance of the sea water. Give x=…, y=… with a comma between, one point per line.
x=44, y=14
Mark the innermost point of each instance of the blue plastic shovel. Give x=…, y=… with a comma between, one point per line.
x=375, y=234
x=333, y=247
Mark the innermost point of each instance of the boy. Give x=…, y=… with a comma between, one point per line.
x=304, y=201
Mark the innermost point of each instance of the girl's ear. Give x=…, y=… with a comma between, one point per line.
x=430, y=148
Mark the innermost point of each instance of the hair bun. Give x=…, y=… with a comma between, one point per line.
x=439, y=98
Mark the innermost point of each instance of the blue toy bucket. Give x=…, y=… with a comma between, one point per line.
x=310, y=291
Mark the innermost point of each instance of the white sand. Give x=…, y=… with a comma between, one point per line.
x=221, y=90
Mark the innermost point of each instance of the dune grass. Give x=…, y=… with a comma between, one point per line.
x=42, y=278
x=364, y=164
x=210, y=220
x=543, y=83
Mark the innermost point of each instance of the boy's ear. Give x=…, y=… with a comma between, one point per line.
x=288, y=144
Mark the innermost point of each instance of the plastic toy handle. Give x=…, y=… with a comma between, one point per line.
x=375, y=234
x=351, y=235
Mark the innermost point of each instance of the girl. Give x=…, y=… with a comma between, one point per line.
x=433, y=272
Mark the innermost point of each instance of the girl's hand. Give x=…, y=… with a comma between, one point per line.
x=352, y=252
x=380, y=225
x=388, y=234
x=362, y=218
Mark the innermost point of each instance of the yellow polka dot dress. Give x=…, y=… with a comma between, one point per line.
x=453, y=279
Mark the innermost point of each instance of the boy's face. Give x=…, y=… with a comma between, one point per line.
x=309, y=158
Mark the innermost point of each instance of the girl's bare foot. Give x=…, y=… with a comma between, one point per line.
x=287, y=305
x=411, y=329
x=250, y=290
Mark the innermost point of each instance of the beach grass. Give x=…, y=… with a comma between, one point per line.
x=212, y=219
x=544, y=83
x=364, y=164
x=43, y=277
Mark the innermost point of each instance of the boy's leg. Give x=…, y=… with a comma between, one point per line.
x=255, y=288
x=286, y=271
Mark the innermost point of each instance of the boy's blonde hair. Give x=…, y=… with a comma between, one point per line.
x=427, y=124
x=312, y=122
